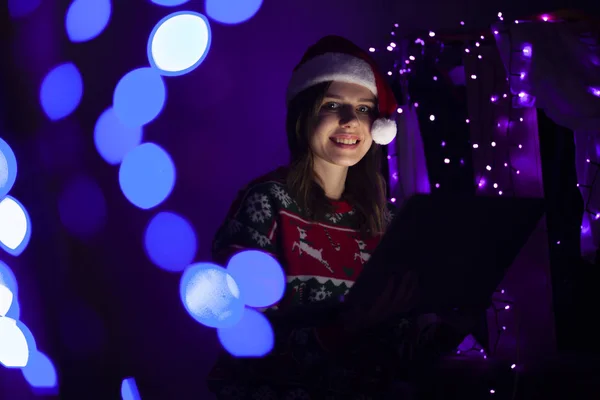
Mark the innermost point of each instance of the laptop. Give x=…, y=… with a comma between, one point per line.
x=459, y=246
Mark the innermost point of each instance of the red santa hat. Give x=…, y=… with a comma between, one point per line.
x=334, y=58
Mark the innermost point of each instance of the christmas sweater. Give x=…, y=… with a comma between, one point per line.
x=321, y=259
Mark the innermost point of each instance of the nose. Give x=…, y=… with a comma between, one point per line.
x=349, y=118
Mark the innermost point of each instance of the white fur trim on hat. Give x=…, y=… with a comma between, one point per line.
x=331, y=67
x=383, y=131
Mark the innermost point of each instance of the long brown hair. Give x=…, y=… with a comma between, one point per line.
x=365, y=186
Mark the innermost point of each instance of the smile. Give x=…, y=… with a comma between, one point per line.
x=345, y=143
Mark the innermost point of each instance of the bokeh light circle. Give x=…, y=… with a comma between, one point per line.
x=252, y=336
x=15, y=226
x=232, y=11
x=7, y=279
x=129, y=390
x=8, y=168
x=259, y=276
x=210, y=295
x=139, y=97
x=6, y=299
x=14, y=351
x=147, y=175
x=40, y=372
x=82, y=206
x=86, y=19
x=113, y=139
x=61, y=91
x=169, y=3
x=170, y=241
x=179, y=43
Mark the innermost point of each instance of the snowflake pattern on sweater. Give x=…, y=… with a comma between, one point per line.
x=321, y=259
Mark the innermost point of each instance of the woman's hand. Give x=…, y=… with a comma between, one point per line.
x=394, y=300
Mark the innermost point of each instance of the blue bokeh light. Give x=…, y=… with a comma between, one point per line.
x=86, y=19
x=7, y=278
x=40, y=372
x=14, y=352
x=210, y=295
x=14, y=235
x=113, y=139
x=179, y=43
x=147, y=175
x=170, y=241
x=82, y=206
x=14, y=311
x=232, y=11
x=259, y=276
x=22, y=8
x=8, y=168
x=169, y=3
x=61, y=91
x=29, y=338
x=139, y=97
x=129, y=390
x=252, y=336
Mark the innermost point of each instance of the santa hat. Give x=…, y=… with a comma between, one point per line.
x=334, y=58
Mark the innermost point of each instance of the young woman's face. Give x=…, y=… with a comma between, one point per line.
x=342, y=133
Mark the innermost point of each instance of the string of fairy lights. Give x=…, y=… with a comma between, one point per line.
x=505, y=94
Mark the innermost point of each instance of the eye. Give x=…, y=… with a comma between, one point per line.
x=364, y=109
x=331, y=106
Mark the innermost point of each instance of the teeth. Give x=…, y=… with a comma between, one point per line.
x=346, y=141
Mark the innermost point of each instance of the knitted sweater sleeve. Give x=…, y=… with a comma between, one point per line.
x=251, y=223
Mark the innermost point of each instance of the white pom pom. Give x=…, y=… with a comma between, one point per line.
x=383, y=131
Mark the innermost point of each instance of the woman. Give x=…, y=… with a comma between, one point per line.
x=321, y=217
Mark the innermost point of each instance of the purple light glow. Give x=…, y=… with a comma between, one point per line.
x=527, y=51
x=595, y=91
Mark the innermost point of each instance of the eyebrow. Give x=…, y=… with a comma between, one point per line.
x=335, y=96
